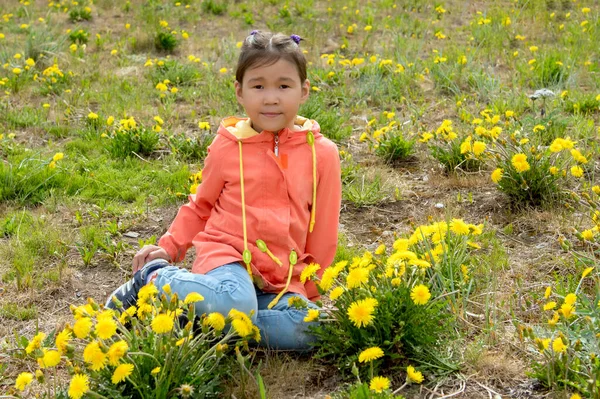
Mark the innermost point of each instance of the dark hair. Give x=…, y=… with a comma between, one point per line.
x=266, y=48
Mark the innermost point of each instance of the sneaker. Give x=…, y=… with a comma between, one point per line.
x=128, y=292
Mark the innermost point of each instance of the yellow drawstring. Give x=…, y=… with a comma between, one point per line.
x=310, y=139
x=247, y=255
x=263, y=248
x=293, y=261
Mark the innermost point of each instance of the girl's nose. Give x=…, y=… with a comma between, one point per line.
x=271, y=98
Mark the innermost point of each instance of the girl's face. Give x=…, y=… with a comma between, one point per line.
x=271, y=95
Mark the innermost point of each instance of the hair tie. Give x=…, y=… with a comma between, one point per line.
x=296, y=39
x=254, y=32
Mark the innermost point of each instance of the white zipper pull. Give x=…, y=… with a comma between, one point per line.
x=276, y=149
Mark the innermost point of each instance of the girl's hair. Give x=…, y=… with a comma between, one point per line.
x=266, y=48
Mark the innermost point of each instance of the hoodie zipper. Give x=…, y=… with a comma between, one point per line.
x=276, y=149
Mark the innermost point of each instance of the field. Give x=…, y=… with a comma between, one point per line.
x=471, y=203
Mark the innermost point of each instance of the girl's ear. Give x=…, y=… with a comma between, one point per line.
x=238, y=91
x=305, y=91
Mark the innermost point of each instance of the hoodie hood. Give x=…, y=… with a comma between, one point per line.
x=240, y=129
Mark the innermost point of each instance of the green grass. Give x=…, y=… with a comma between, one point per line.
x=72, y=215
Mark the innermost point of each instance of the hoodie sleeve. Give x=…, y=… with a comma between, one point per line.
x=191, y=217
x=322, y=242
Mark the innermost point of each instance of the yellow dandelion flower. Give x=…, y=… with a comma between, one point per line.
x=413, y=376
x=193, y=297
x=62, y=340
x=308, y=272
x=586, y=272
x=379, y=384
x=420, y=294
x=458, y=226
x=106, y=328
x=162, y=324
x=550, y=306
x=570, y=299
x=23, y=380
x=357, y=277
x=93, y=355
x=122, y=372
x=242, y=327
x=336, y=293
x=519, y=162
x=312, y=315
x=82, y=327
x=576, y=171
x=370, y=354
x=116, y=352
x=558, y=345
x=548, y=292
x=361, y=312
x=78, y=386
x=215, y=320
x=155, y=371
x=147, y=291
x=51, y=358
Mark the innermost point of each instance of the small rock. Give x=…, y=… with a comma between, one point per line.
x=439, y=205
x=131, y=234
x=425, y=178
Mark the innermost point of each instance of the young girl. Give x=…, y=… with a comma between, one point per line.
x=267, y=207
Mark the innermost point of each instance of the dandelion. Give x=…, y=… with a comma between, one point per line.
x=313, y=314
x=356, y=277
x=204, y=125
x=161, y=87
x=308, y=272
x=575, y=396
x=79, y=385
x=243, y=328
x=420, y=294
x=379, y=384
x=497, y=175
x=106, y=328
x=458, y=226
x=122, y=372
x=113, y=52
x=558, y=346
x=519, y=161
x=62, y=340
x=587, y=235
x=550, y=306
x=576, y=171
x=215, y=320
x=586, y=272
x=116, y=352
x=413, y=376
x=193, y=297
x=570, y=299
x=82, y=327
x=370, y=354
x=162, y=324
x=361, y=312
x=336, y=293
x=223, y=70
x=155, y=370
x=17, y=71
x=50, y=359
x=93, y=355
x=23, y=380
x=478, y=147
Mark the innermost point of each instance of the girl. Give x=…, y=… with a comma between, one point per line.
x=268, y=205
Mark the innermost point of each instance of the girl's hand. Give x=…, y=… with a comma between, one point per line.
x=148, y=253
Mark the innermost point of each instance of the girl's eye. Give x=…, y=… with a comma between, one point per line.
x=257, y=87
x=284, y=86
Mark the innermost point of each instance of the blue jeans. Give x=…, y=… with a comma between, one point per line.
x=230, y=287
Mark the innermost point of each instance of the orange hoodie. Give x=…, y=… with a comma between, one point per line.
x=254, y=188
